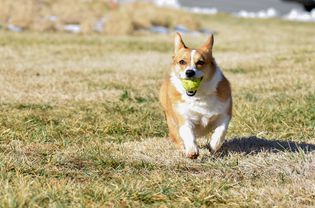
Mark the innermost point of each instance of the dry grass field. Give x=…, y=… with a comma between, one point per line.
x=81, y=125
x=126, y=19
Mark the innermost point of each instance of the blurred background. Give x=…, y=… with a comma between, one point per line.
x=127, y=17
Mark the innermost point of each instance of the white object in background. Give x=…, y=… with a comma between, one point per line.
x=52, y=18
x=298, y=15
x=200, y=10
x=263, y=14
x=159, y=29
x=99, y=25
x=167, y=3
x=14, y=28
x=72, y=28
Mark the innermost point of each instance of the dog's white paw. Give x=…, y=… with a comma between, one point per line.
x=214, y=147
x=192, y=152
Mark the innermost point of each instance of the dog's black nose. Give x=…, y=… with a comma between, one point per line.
x=190, y=73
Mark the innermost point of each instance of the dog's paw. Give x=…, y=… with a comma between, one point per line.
x=192, y=152
x=192, y=155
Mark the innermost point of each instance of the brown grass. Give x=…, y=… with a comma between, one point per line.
x=81, y=124
x=19, y=13
x=131, y=17
x=127, y=19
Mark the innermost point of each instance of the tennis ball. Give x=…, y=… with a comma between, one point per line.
x=191, y=84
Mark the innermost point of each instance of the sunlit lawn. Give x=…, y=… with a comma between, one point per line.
x=81, y=124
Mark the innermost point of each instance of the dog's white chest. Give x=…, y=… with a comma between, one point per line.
x=201, y=110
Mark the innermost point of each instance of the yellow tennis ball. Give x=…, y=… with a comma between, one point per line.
x=191, y=84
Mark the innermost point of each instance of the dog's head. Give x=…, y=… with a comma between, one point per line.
x=189, y=63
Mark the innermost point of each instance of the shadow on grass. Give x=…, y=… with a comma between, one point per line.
x=253, y=144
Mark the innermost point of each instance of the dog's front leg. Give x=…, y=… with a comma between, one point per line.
x=219, y=133
x=187, y=135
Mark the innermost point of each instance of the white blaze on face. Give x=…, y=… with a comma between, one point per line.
x=192, y=55
x=190, y=66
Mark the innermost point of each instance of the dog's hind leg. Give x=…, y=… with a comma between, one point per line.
x=173, y=131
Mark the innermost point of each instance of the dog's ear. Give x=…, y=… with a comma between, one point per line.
x=209, y=44
x=179, y=43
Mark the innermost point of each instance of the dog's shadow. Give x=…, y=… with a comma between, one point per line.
x=254, y=145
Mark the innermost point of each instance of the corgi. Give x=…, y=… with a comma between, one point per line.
x=193, y=114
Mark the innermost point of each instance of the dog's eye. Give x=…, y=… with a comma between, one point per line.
x=182, y=62
x=200, y=63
